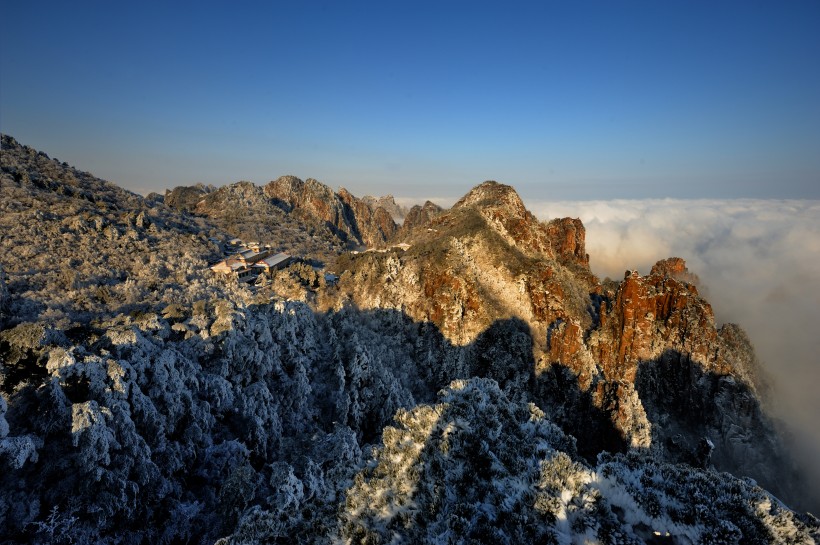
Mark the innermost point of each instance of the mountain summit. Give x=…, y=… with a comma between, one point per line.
x=492, y=194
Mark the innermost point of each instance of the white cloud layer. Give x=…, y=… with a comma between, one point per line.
x=759, y=265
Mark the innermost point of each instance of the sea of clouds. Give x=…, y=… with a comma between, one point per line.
x=759, y=266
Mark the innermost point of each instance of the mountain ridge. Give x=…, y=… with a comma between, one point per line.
x=144, y=400
x=304, y=217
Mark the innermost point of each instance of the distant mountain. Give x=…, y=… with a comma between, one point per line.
x=352, y=219
x=469, y=381
x=419, y=216
x=388, y=203
x=306, y=218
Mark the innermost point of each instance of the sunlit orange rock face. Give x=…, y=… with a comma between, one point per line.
x=373, y=226
x=486, y=259
x=489, y=259
x=343, y=212
x=419, y=216
x=500, y=205
x=674, y=267
x=569, y=237
x=655, y=313
x=643, y=317
x=308, y=199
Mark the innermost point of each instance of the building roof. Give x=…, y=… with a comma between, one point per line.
x=273, y=261
x=229, y=265
x=222, y=266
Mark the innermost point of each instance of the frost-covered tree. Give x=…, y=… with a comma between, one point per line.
x=479, y=468
x=461, y=470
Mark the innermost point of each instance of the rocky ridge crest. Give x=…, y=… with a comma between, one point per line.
x=349, y=217
x=305, y=218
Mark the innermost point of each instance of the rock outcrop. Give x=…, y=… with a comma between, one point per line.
x=373, y=226
x=674, y=267
x=351, y=219
x=306, y=218
x=419, y=216
x=310, y=200
x=645, y=316
x=486, y=259
x=186, y=198
x=504, y=211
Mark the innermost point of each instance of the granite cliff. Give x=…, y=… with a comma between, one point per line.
x=419, y=215
x=351, y=219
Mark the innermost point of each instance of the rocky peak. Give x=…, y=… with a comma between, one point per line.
x=568, y=238
x=674, y=267
x=237, y=195
x=495, y=196
x=639, y=320
x=347, y=216
x=420, y=216
x=374, y=226
x=289, y=208
x=347, y=197
x=285, y=189
x=388, y=203
x=310, y=196
x=312, y=201
x=315, y=186
x=186, y=198
x=430, y=208
x=504, y=212
x=658, y=312
x=484, y=259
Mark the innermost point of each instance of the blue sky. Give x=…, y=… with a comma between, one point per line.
x=564, y=100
